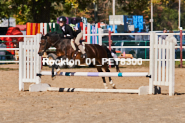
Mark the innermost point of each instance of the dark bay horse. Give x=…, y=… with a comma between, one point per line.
x=64, y=48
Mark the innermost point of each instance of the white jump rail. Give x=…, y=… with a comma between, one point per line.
x=97, y=74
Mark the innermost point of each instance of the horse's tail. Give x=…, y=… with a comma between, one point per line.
x=110, y=56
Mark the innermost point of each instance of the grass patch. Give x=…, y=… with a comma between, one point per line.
x=8, y=69
x=177, y=64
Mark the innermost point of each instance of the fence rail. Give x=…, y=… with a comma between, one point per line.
x=99, y=34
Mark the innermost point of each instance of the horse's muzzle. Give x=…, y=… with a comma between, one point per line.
x=41, y=53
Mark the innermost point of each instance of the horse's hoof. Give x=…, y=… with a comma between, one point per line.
x=114, y=86
x=53, y=77
x=58, y=71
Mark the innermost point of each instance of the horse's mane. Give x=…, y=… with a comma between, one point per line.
x=52, y=35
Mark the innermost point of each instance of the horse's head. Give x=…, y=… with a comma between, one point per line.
x=44, y=45
x=49, y=40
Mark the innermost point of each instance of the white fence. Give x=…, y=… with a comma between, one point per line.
x=4, y=49
x=100, y=34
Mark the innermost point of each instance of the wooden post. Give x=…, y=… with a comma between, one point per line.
x=109, y=43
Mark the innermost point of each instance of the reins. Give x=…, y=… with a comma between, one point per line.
x=55, y=43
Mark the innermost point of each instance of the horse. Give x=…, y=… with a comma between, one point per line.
x=64, y=49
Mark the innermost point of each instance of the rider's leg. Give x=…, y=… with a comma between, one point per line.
x=73, y=44
x=77, y=41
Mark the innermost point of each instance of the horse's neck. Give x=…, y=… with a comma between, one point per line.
x=55, y=38
x=58, y=43
x=54, y=41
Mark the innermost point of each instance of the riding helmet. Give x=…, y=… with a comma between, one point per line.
x=62, y=18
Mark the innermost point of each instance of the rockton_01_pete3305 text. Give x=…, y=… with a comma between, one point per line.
x=88, y=61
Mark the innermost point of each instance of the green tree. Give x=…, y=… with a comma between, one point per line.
x=38, y=10
x=31, y=10
x=165, y=11
x=6, y=10
x=134, y=7
x=165, y=14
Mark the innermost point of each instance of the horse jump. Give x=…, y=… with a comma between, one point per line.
x=161, y=60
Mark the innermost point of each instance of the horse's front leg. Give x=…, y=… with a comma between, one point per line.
x=55, y=66
x=53, y=72
x=61, y=59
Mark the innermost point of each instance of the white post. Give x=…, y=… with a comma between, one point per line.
x=41, y=28
x=151, y=70
x=172, y=70
x=100, y=36
x=50, y=25
x=173, y=74
x=96, y=36
x=21, y=84
x=88, y=32
x=53, y=25
x=38, y=59
x=45, y=28
x=83, y=31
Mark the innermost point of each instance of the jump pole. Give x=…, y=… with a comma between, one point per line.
x=143, y=90
x=96, y=74
x=92, y=90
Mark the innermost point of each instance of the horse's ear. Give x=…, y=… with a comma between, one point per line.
x=47, y=35
x=43, y=37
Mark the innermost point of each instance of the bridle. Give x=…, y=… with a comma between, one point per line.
x=45, y=45
x=51, y=45
x=55, y=43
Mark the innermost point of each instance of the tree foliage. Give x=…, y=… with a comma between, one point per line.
x=165, y=11
x=134, y=7
x=5, y=9
x=32, y=10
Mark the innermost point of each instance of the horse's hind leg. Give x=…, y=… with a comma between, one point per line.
x=111, y=83
x=104, y=82
x=110, y=80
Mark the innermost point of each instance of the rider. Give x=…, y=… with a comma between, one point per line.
x=69, y=33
